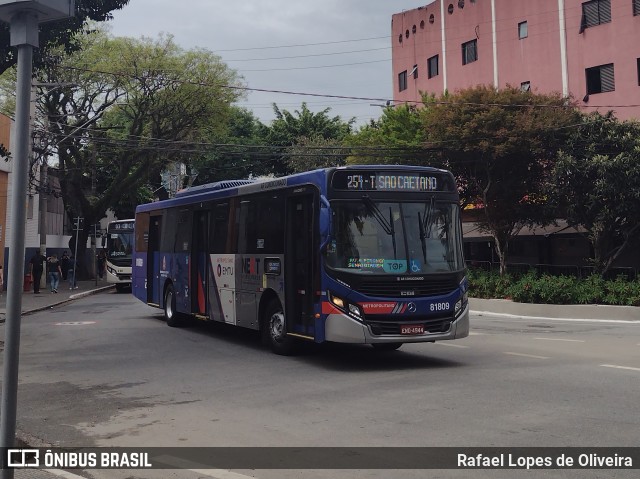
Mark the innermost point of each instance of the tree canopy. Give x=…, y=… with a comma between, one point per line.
x=499, y=144
x=136, y=107
x=289, y=128
x=597, y=182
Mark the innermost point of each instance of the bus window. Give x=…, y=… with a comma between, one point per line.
x=219, y=229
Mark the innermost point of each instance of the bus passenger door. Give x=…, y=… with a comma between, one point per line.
x=152, y=258
x=198, y=263
x=299, y=260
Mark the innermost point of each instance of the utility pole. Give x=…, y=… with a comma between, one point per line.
x=23, y=17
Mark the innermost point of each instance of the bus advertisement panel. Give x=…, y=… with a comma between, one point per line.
x=366, y=254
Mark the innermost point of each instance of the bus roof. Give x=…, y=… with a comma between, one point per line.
x=230, y=188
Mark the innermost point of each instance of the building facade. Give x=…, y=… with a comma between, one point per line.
x=587, y=49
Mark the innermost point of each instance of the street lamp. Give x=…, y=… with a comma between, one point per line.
x=24, y=17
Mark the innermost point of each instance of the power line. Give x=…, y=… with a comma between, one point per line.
x=302, y=44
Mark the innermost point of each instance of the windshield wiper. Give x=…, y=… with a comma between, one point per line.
x=382, y=221
x=423, y=238
x=426, y=226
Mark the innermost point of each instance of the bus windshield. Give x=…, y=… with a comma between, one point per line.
x=382, y=237
x=119, y=247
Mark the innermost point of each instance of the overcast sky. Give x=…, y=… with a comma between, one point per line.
x=240, y=32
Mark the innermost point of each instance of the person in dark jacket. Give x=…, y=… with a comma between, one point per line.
x=36, y=266
x=64, y=265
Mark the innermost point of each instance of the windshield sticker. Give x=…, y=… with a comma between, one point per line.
x=416, y=267
x=365, y=263
x=395, y=265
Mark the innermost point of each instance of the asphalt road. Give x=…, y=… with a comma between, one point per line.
x=106, y=371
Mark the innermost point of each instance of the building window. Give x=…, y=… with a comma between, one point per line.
x=402, y=81
x=525, y=86
x=523, y=30
x=450, y=8
x=638, y=62
x=432, y=18
x=469, y=52
x=414, y=72
x=636, y=7
x=595, y=12
x=432, y=66
x=600, y=79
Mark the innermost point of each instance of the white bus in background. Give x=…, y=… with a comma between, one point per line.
x=118, y=248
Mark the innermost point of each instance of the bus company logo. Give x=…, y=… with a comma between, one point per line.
x=23, y=458
x=411, y=307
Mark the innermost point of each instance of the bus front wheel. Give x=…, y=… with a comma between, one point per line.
x=275, y=330
x=170, y=314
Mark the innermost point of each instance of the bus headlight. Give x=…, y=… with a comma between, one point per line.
x=460, y=304
x=355, y=310
x=351, y=309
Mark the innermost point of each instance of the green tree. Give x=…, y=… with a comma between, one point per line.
x=317, y=152
x=53, y=35
x=597, y=183
x=398, y=137
x=138, y=106
x=289, y=128
x=238, y=150
x=500, y=144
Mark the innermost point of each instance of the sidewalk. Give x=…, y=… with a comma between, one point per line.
x=46, y=299
x=504, y=307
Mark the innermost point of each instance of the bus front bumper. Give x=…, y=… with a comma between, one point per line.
x=341, y=328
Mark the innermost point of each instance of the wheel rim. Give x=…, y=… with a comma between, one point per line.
x=169, y=305
x=276, y=326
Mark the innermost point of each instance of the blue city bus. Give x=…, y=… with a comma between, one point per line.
x=355, y=254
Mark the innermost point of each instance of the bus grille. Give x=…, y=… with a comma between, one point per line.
x=396, y=289
x=432, y=325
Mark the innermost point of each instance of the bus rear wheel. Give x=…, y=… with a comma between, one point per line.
x=386, y=346
x=170, y=314
x=275, y=330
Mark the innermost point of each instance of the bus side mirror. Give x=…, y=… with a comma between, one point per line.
x=325, y=223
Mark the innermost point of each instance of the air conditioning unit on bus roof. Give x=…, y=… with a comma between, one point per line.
x=219, y=185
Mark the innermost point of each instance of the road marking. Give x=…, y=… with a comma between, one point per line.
x=473, y=333
x=201, y=469
x=619, y=367
x=441, y=343
x=560, y=339
x=75, y=323
x=525, y=355
x=529, y=318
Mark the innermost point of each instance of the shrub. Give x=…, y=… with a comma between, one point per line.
x=534, y=288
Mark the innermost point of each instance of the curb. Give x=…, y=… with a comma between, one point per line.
x=70, y=299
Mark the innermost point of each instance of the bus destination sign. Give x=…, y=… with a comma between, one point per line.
x=351, y=180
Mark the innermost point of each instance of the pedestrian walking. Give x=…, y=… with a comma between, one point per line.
x=36, y=266
x=53, y=268
x=102, y=259
x=64, y=265
x=71, y=272
x=1, y=279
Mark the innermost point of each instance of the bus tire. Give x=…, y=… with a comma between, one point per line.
x=170, y=314
x=386, y=346
x=275, y=330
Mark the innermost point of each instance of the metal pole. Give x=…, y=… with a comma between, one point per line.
x=93, y=249
x=29, y=23
x=42, y=219
x=75, y=252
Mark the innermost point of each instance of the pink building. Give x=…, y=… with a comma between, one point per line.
x=587, y=49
